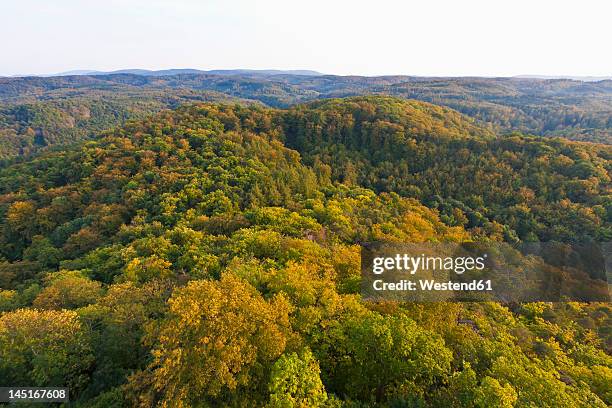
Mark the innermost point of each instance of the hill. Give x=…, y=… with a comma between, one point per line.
x=208, y=255
x=526, y=184
x=33, y=126
x=570, y=109
x=574, y=78
x=165, y=72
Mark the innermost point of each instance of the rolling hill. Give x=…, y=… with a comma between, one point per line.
x=209, y=255
x=564, y=108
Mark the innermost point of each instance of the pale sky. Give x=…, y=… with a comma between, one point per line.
x=424, y=37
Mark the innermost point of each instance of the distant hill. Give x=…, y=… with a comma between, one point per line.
x=574, y=78
x=166, y=72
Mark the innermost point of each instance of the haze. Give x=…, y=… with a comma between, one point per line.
x=433, y=38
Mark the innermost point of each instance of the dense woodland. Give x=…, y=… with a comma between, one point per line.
x=36, y=113
x=32, y=125
x=209, y=256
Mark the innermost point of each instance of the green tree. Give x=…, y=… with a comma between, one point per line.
x=491, y=394
x=45, y=349
x=295, y=382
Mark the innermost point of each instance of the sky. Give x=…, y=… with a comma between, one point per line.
x=424, y=37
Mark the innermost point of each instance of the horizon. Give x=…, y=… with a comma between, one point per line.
x=437, y=39
x=315, y=72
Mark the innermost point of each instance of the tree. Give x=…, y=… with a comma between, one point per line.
x=491, y=394
x=219, y=337
x=68, y=290
x=377, y=355
x=44, y=349
x=295, y=382
x=42, y=251
x=21, y=217
x=119, y=320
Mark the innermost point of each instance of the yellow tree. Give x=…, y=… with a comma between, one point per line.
x=67, y=290
x=220, y=336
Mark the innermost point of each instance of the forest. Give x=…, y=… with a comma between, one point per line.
x=38, y=113
x=209, y=256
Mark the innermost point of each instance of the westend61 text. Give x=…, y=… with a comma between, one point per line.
x=431, y=285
